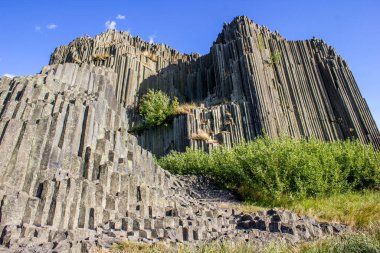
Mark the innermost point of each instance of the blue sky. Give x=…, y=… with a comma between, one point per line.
x=30, y=30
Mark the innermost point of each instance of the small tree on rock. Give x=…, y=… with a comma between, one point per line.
x=156, y=108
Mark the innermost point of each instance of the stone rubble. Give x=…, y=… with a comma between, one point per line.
x=73, y=178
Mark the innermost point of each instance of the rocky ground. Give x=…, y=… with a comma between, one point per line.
x=259, y=228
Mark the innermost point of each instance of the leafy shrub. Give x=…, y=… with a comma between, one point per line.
x=273, y=168
x=156, y=108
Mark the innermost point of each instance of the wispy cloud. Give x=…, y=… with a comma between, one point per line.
x=120, y=17
x=110, y=24
x=152, y=38
x=51, y=26
x=37, y=28
x=9, y=75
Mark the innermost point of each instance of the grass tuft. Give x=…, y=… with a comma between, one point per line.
x=275, y=57
x=101, y=57
x=200, y=135
x=185, y=108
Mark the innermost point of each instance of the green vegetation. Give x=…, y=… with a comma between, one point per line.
x=156, y=108
x=358, y=209
x=330, y=181
x=268, y=171
x=351, y=243
x=275, y=57
x=354, y=243
x=260, y=41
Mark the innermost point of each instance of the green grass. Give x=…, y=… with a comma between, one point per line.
x=275, y=57
x=352, y=243
x=358, y=209
x=271, y=170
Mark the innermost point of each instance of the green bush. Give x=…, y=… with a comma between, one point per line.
x=267, y=168
x=156, y=108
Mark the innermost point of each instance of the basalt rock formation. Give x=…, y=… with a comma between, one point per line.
x=73, y=178
x=252, y=81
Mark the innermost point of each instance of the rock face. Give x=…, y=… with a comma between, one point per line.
x=73, y=178
x=252, y=81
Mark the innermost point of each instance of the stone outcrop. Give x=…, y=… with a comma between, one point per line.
x=252, y=81
x=74, y=179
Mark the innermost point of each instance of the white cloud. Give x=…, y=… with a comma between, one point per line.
x=110, y=24
x=9, y=75
x=152, y=38
x=51, y=26
x=37, y=28
x=120, y=17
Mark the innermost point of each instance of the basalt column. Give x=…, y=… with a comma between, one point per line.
x=280, y=87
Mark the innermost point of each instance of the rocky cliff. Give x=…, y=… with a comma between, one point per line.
x=252, y=81
x=73, y=178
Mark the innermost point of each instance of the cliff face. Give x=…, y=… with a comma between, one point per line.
x=252, y=81
x=74, y=179
x=72, y=173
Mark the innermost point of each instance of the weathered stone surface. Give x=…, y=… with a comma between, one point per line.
x=310, y=91
x=76, y=179
x=73, y=178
